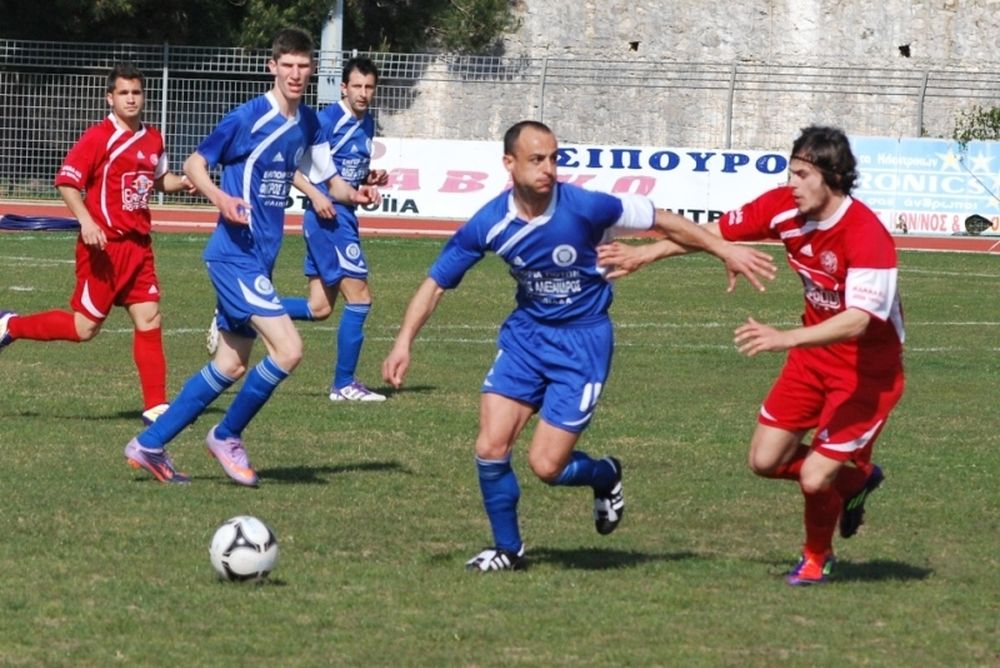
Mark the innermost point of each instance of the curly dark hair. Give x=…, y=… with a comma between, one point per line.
x=829, y=151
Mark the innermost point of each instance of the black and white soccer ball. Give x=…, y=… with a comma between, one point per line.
x=243, y=548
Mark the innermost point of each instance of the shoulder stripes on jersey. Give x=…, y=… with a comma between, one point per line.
x=341, y=122
x=111, y=158
x=261, y=147
x=263, y=120
x=532, y=225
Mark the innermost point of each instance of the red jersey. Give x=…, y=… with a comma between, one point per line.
x=117, y=169
x=848, y=260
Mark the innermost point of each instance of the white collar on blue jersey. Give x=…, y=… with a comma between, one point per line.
x=273, y=101
x=537, y=220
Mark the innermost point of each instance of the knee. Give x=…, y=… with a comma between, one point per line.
x=490, y=449
x=87, y=329
x=813, y=482
x=320, y=311
x=761, y=466
x=231, y=368
x=288, y=359
x=545, y=468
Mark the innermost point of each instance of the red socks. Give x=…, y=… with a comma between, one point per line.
x=822, y=512
x=147, y=352
x=44, y=326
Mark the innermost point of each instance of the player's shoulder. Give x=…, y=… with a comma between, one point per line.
x=861, y=212
x=571, y=194
x=862, y=221
x=103, y=128
x=592, y=204
x=368, y=123
x=308, y=116
x=333, y=111
x=153, y=132
x=255, y=107
x=491, y=213
x=781, y=198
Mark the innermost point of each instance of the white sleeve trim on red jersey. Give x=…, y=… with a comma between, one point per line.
x=872, y=290
x=162, y=166
x=638, y=213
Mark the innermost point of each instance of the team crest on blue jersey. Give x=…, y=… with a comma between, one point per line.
x=564, y=255
x=263, y=285
x=353, y=251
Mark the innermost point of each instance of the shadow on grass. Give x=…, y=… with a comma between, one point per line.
x=137, y=415
x=879, y=570
x=600, y=559
x=590, y=559
x=319, y=475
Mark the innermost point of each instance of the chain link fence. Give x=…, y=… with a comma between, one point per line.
x=51, y=91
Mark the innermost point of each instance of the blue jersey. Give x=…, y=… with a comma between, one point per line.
x=259, y=150
x=350, y=141
x=553, y=257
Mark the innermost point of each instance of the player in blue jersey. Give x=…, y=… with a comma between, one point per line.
x=259, y=146
x=334, y=259
x=555, y=348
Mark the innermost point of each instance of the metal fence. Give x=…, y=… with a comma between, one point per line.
x=51, y=91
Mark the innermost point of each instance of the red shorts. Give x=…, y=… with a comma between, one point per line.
x=847, y=410
x=122, y=274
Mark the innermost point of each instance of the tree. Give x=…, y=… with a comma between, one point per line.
x=462, y=26
x=977, y=123
x=196, y=22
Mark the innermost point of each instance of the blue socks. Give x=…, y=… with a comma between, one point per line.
x=198, y=392
x=257, y=389
x=501, y=492
x=350, y=337
x=582, y=470
x=297, y=307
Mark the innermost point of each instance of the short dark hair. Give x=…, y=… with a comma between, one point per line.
x=514, y=133
x=127, y=71
x=829, y=151
x=292, y=40
x=363, y=65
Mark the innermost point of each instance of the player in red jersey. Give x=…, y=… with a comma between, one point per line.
x=106, y=181
x=844, y=371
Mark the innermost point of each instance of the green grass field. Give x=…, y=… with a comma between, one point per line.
x=377, y=506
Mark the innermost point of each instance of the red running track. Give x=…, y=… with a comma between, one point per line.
x=201, y=219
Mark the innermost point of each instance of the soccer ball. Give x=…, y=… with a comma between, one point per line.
x=243, y=548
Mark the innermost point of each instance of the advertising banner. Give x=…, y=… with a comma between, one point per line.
x=917, y=186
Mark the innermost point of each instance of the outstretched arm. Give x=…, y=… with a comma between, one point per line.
x=754, y=337
x=752, y=264
x=684, y=236
x=172, y=183
x=623, y=259
x=420, y=308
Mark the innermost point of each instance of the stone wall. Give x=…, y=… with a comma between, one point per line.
x=718, y=74
x=888, y=33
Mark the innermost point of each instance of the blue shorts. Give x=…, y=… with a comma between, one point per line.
x=560, y=369
x=333, y=247
x=242, y=291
